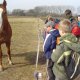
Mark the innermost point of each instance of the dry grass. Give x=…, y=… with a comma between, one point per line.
x=23, y=50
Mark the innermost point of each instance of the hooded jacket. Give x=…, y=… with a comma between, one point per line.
x=61, y=56
x=50, y=43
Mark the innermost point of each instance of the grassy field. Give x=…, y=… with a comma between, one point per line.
x=23, y=50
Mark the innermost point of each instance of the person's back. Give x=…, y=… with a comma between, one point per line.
x=58, y=55
x=50, y=42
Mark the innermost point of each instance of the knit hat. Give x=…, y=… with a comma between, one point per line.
x=68, y=13
x=50, y=23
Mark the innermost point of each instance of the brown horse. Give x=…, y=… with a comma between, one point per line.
x=5, y=32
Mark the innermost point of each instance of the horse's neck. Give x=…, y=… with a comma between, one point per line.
x=5, y=21
x=5, y=24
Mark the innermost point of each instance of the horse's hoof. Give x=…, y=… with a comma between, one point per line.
x=10, y=63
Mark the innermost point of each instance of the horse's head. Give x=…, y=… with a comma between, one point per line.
x=2, y=12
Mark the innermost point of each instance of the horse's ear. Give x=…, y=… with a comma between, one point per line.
x=4, y=3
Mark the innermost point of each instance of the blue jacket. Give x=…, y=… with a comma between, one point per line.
x=50, y=42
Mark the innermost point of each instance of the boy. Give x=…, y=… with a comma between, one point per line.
x=49, y=45
x=44, y=32
x=62, y=54
x=49, y=19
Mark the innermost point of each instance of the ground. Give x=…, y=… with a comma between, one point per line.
x=23, y=50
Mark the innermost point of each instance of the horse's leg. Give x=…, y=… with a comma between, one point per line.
x=9, y=52
x=1, y=68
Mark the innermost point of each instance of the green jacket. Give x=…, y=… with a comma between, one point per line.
x=61, y=55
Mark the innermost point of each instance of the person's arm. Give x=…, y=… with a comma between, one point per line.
x=47, y=43
x=57, y=53
x=74, y=46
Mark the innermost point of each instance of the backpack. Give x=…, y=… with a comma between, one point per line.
x=73, y=68
x=76, y=30
x=75, y=27
x=71, y=63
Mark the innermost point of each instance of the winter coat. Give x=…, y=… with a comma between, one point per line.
x=50, y=43
x=61, y=56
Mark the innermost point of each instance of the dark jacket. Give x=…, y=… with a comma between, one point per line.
x=61, y=56
x=50, y=43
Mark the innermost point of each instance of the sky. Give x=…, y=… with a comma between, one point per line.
x=30, y=4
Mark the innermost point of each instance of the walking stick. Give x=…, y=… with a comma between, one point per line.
x=37, y=74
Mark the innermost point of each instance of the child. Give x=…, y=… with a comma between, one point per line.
x=49, y=19
x=49, y=45
x=44, y=32
x=62, y=53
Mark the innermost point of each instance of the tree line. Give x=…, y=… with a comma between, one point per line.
x=43, y=11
